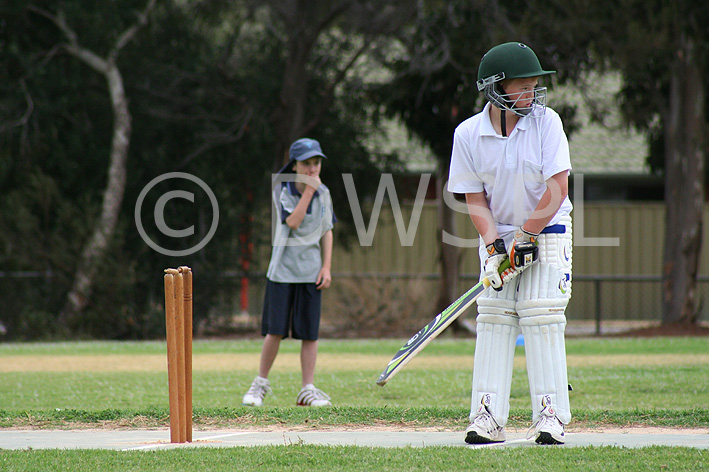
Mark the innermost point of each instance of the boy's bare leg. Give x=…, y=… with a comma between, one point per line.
x=308, y=356
x=269, y=351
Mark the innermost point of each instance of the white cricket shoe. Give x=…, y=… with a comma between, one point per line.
x=311, y=396
x=258, y=390
x=548, y=429
x=484, y=429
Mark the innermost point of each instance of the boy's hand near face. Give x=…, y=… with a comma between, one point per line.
x=312, y=182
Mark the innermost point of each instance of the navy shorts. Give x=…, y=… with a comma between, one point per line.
x=291, y=309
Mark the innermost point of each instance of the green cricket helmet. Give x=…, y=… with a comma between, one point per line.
x=510, y=61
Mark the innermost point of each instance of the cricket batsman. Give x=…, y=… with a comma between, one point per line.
x=512, y=162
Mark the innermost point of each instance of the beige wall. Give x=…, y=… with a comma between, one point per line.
x=639, y=228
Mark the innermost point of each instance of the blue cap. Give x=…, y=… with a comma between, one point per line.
x=305, y=148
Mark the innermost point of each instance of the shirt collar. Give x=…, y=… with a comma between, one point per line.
x=488, y=130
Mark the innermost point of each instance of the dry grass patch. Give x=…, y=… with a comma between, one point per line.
x=326, y=362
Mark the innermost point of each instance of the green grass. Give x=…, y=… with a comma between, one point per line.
x=618, y=392
x=616, y=381
x=441, y=346
x=351, y=458
x=444, y=345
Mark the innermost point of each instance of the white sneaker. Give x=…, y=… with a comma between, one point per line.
x=258, y=390
x=484, y=429
x=548, y=429
x=311, y=396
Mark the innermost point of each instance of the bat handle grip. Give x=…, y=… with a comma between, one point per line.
x=503, y=267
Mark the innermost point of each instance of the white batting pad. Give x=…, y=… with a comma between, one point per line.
x=545, y=351
x=492, y=370
x=544, y=292
x=539, y=297
x=545, y=288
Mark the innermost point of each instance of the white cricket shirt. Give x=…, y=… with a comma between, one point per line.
x=511, y=170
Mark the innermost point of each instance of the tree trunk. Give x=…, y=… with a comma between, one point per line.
x=295, y=117
x=450, y=255
x=289, y=116
x=684, y=186
x=96, y=246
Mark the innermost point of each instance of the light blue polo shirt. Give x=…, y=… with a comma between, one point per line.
x=296, y=255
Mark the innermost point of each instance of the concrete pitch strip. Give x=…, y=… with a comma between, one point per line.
x=144, y=440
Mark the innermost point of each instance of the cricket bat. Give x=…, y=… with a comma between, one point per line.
x=429, y=332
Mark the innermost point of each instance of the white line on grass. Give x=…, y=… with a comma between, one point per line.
x=500, y=444
x=160, y=445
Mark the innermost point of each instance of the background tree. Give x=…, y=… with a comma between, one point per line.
x=434, y=90
x=677, y=95
x=431, y=95
x=660, y=48
x=66, y=102
x=318, y=36
x=219, y=89
x=204, y=80
x=94, y=249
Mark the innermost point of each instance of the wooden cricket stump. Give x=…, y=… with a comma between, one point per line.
x=178, y=327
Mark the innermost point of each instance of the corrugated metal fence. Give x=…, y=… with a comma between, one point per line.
x=617, y=268
x=618, y=252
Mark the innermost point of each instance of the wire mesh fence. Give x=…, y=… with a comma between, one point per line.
x=359, y=304
x=381, y=304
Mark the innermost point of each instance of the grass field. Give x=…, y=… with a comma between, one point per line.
x=617, y=382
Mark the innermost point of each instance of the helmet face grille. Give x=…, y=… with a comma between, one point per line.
x=508, y=101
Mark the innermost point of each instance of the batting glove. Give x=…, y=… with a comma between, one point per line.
x=524, y=250
x=496, y=255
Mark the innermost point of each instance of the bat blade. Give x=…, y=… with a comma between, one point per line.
x=429, y=332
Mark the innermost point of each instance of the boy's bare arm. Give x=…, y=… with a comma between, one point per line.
x=481, y=215
x=325, y=277
x=553, y=197
x=296, y=218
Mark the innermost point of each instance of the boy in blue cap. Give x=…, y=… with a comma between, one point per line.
x=298, y=272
